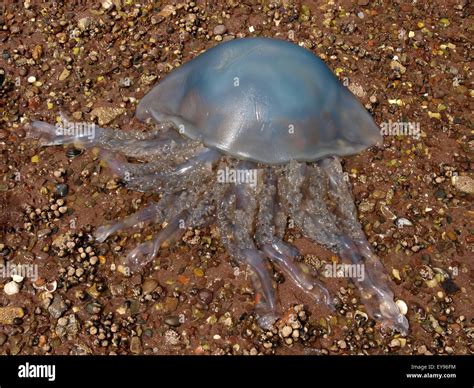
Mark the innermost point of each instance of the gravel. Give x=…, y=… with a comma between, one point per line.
x=98, y=64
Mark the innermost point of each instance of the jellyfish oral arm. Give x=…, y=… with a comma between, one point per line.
x=353, y=248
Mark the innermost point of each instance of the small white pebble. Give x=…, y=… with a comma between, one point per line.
x=395, y=343
x=342, y=344
x=18, y=278
x=11, y=288
x=251, y=29
x=402, y=306
x=31, y=79
x=286, y=331
x=107, y=4
x=401, y=222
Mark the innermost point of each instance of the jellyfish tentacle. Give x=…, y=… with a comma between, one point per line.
x=146, y=252
x=153, y=149
x=235, y=217
x=90, y=135
x=355, y=249
x=284, y=256
x=168, y=179
x=163, y=143
x=266, y=229
x=143, y=215
x=318, y=198
x=178, y=208
x=205, y=210
x=376, y=295
x=205, y=158
x=301, y=194
x=155, y=211
x=320, y=218
x=267, y=303
x=339, y=191
x=166, y=184
x=125, y=170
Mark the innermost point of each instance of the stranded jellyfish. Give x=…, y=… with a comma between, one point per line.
x=271, y=118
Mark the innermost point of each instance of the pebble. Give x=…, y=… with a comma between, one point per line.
x=286, y=331
x=401, y=222
x=18, y=278
x=11, y=288
x=402, y=306
x=148, y=286
x=395, y=343
x=342, y=344
x=135, y=345
x=171, y=304
x=59, y=173
x=107, y=4
x=357, y=89
x=422, y=349
x=463, y=183
x=57, y=307
x=9, y=314
x=440, y=193
x=64, y=74
x=4, y=251
x=85, y=23
x=450, y=286
x=3, y=338
x=73, y=152
x=125, y=82
x=77, y=115
x=167, y=10
x=366, y=207
x=172, y=320
x=205, y=295
x=220, y=29
x=43, y=233
x=62, y=189
x=105, y=115
x=31, y=79
x=398, y=67
x=93, y=308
